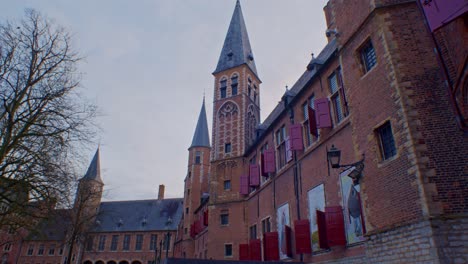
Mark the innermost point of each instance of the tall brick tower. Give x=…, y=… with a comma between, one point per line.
x=236, y=114
x=90, y=187
x=196, y=181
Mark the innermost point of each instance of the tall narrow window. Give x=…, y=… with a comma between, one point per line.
x=386, y=140
x=40, y=252
x=266, y=225
x=102, y=242
x=126, y=242
x=139, y=242
x=368, y=57
x=227, y=148
x=234, y=84
x=338, y=98
x=227, y=185
x=308, y=137
x=89, y=243
x=280, y=146
x=222, y=88
x=228, y=250
x=30, y=250
x=7, y=247
x=197, y=157
x=114, y=242
x=253, y=232
x=224, y=218
x=153, y=241
x=52, y=250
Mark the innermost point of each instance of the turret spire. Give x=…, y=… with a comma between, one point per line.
x=94, y=169
x=236, y=49
x=201, y=138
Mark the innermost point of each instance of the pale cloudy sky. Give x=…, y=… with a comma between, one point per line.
x=148, y=63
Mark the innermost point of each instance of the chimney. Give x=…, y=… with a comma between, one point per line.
x=161, y=192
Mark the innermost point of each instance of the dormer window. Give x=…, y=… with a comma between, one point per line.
x=144, y=221
x=120, y=223
x=230, y=54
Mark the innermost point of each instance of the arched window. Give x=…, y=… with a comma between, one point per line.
x=222, y=88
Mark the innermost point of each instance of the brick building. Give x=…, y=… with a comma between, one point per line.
x=123, y=232
x=378, y=99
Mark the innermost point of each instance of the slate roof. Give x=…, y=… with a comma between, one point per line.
x=312, y=69
x=236, y=49
x=53, y=228
x=139, y=215
x=211, y=261
x=94, y=169
x=201, y=137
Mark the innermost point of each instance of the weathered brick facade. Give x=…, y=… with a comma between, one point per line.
x=378, y=73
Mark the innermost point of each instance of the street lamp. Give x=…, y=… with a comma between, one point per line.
x=334, y=157
x=168, y=235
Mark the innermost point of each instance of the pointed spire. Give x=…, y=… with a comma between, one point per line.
x=201, y=138
x=236, y=49
x=94, y=169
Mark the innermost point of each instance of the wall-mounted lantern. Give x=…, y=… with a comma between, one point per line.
x=334, y=158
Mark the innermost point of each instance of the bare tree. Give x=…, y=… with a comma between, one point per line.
x=44, y=122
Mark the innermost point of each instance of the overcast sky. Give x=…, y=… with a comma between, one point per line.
x=148, y=63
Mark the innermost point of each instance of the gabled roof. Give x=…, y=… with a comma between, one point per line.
x=139, y=215
x=236, y=49
x=201, y=137
x=312, y=70
x=94, y=169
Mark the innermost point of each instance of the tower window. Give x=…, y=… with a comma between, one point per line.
x=386, y=140
x=227, y=148
x=234, y=85
x=368, y=57
x=197, y=157
x=223, y=89
x=227, y=185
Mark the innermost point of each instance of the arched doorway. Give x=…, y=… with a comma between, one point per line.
x=88, y=262
x=100, y=262
x=111, y=262
x=136, y=262
x=123, y=262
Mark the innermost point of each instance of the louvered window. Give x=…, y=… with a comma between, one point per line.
x=368, y=56
x=234, y=85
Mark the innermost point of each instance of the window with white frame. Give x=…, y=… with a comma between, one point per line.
x=337, y=98
x=280, y=137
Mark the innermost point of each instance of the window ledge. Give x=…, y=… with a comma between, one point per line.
x=367, y=72
x=385, y=163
